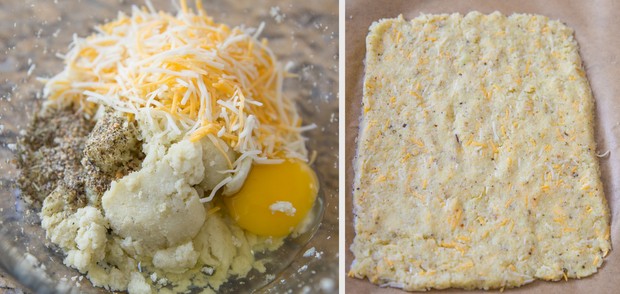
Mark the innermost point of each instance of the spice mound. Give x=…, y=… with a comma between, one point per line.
x=158, y=156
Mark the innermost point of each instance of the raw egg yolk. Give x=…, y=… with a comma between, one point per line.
x=254, y=207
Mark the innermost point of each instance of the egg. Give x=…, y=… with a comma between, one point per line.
x=275, y=198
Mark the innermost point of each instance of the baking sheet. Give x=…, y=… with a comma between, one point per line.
x=597, y=29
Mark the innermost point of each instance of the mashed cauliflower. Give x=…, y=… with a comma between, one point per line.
x=151, y=222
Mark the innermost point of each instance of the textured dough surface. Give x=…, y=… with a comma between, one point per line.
x=476, y=164
x=157, y=206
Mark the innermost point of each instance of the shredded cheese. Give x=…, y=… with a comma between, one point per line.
x=208, y=78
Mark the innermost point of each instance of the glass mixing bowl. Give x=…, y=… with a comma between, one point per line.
x=302, y=32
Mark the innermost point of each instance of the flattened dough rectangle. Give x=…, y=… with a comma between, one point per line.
x=476, y=163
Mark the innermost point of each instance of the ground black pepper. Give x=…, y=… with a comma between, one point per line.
x=62, y=147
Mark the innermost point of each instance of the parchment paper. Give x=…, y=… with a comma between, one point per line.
x=597, y=29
